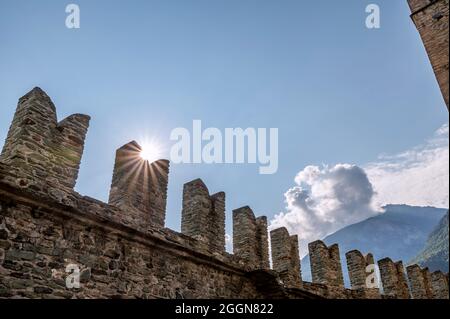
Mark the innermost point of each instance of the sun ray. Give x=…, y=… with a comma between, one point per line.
x=150, y=151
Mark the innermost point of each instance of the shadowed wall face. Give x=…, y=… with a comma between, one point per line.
x=140, y=187
x=262, y=247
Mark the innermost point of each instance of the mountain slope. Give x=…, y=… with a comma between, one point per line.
x=399, y=233
x=435, y=253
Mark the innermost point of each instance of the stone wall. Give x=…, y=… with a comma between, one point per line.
x=431, y=20
x=122, y=249
x=420, y=282
x=203, y=215
x=140, y=187
x=46, y=153
x=393, y=279
x=439, y=285
x=285, y=256
x=250, y=238
x=361, y=270
x=326, y=265
x=38, y=243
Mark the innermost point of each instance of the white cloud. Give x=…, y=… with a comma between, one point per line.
x=229, y=243
x=326, y=199
x=419, y=176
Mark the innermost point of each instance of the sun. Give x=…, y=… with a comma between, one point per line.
x=150, y=151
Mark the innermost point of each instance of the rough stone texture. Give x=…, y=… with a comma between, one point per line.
x=325, y=264
x=357, y=268
x=402, y=281
x=431, y=20
x=439, y=285
x=248, y=238
x=420, y=282
x=262, y=249
x=335, y=261
x=393, y=279
x=140, y=187
x=357, y=265
x=118, y=258
x=46, y=153
x=285, y=256
x=203, y=216
x=115, y=261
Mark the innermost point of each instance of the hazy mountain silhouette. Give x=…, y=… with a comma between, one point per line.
x=435, y=253
x=400, y=233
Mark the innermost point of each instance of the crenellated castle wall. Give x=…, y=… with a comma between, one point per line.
x=122, y=248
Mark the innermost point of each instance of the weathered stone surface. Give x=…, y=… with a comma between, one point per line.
x=361, y=270
x=140, y=187
x=326, y=265
x=431, y=20
x=439, y=284
x=262, y=248
x=47, y=153
x=420, y=282
x=203, y=215
x=250, y=238
x=3, y=234
x=393, y=279
x=285, y=257
x=121, y=264
x=14, y=254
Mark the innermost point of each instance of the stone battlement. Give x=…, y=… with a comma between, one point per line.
x=431, y=20
x=140, y=187
x=47, y=153
x=203, y=215
x=122, y=247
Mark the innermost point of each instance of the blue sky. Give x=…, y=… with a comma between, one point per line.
x=337, y=91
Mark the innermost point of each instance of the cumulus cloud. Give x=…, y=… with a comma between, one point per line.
x=328, y=198
x=419, y=176
x=229, y=243
x=324, y=200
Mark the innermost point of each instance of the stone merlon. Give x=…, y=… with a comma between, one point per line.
x=362, y=274
x=203, y=215
x=139, y=187
x=48, y=153
x=420, y=282
x=285, y=256
x=393, y=279
x=326, y=265
x=439, y=285
x=250, y=238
